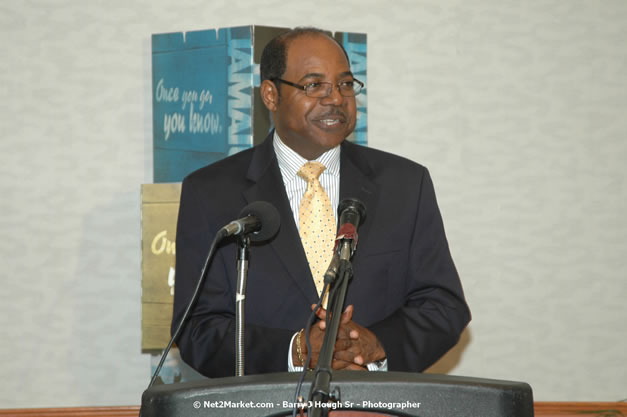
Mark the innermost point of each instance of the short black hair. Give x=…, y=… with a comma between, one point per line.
x=274, y=56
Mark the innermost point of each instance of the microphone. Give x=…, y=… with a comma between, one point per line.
x=352, y=211
x=259, y=219
x=340, y=271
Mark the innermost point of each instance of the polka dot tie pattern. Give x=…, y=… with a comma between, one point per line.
x=317, y=223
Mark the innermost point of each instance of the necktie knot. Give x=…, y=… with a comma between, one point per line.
x=311, y=170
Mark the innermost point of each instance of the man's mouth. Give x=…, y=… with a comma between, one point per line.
x=331, y=120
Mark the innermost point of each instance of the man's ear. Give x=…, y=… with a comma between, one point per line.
x=269, y=95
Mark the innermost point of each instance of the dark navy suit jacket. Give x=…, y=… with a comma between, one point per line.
x=405, y=287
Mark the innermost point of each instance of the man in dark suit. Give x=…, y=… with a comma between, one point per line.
x=406, y=304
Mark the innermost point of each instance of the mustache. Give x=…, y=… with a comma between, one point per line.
x=335, y=113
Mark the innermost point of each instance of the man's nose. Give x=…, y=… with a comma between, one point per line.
x=334, y=98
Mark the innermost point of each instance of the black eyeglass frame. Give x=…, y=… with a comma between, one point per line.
x=304, y=87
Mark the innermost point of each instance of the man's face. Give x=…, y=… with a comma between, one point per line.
x=311, y=126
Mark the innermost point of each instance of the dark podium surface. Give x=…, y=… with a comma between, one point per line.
x=389, y=393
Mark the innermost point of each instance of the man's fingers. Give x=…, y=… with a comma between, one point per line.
x=320, y=312
x=353, y=367
x=344, y=356
x=347, y=315
x=351, y=354
x=342, y=344
x=342, y=365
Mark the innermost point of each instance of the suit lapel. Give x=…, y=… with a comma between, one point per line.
x=356, y=181
x=268, y=186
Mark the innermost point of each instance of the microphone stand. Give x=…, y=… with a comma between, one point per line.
x=240, y=296
x=320, y=394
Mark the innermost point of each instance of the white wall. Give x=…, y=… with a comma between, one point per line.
x=518, y=109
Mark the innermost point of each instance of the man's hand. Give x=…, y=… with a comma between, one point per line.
x=355, y=346
x=364, y=346
x=316, y=337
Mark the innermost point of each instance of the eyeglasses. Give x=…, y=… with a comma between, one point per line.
x=348, y=88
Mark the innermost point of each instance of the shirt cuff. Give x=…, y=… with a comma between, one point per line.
x=378, y=366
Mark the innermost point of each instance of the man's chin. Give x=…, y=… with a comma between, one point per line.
x=331, y=137
x=332, y=142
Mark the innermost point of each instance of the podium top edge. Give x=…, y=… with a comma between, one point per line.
x=345, y=377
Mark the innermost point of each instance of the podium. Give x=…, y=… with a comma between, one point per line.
x=361, y=393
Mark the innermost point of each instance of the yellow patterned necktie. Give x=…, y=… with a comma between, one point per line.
x=317, y=223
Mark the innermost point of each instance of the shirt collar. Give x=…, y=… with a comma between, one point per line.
x=290, y=161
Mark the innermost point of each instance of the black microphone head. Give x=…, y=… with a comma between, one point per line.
x=353, y=211
x=267, y=215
